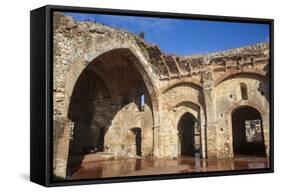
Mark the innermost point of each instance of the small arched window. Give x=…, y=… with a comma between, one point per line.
x=244, y=91
x=141, y=102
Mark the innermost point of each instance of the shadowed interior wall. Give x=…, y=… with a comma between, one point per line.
x=229, y=97
x=100, y=72
x=240, y=144
x=105, y=109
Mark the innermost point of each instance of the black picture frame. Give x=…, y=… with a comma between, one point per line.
x=41, y=99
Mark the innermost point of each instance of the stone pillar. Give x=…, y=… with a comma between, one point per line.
x=156, y=141
x=62, y=133
x=266, y=133
x=210, y=103
x=203, y=134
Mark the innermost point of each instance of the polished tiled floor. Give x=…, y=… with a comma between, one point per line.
x=137, y=167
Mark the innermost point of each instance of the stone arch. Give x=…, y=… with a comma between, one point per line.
x=130, y=53
x=197, y=110
x=173, y=97
x=265, y=121
x=187, y=125
x=137, y=58
x=191, y=104
x=230, y=75
x=193, y=84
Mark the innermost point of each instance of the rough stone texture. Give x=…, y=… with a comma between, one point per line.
x=100, y=73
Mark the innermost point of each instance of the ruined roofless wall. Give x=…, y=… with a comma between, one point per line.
x=195, y=82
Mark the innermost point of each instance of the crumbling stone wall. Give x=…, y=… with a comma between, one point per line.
x=173, y=85
x=76, y=45
x=176, y=101
x=228, y=95
x=120, y=138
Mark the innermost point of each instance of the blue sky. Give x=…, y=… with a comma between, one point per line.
x=185, y=37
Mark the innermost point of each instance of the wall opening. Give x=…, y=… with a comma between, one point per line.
x=189, y=135
x=137, y=133
x=141, y=102
x=100, y=146
x=244, y=91
x=103, y=107
x=247, y=132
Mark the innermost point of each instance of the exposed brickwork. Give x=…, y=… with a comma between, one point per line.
x=121, y=67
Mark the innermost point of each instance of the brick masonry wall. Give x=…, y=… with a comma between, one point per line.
x=200, y=84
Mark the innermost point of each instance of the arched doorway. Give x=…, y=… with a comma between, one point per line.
x=109, y=98
x=137, y=133
x=189, y=135
x=247, y=132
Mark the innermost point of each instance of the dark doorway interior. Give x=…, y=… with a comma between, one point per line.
x=101, y=139
x=247, y=131
x=137, y=132
x=186, y=130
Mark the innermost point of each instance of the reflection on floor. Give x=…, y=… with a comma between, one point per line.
x=138, y=167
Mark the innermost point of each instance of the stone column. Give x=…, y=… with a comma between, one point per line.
x=203, y=134
x=210, y=103
x=266, y=132
x=156, y=141
x=62, y=133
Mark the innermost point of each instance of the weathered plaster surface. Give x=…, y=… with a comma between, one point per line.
x=99, y=72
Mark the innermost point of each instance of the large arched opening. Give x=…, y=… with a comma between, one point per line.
x=247, y=132
x=111, y=109
x=189, y=135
